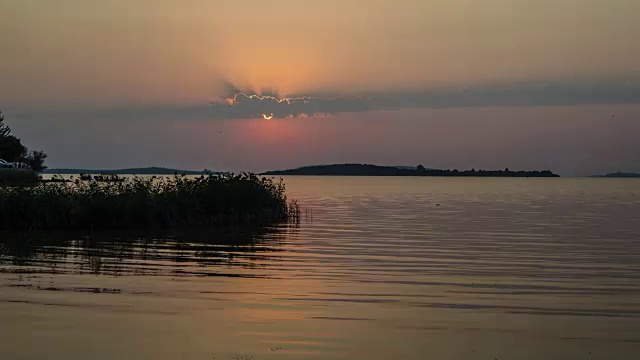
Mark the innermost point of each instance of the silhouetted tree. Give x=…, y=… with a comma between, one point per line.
x=35, y=160
x=12, y=150
x=421, y=168
x=4, y=128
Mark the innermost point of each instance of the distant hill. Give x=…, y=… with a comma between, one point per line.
x=375, y=170
x=619, y=175
x=405, y=167
x=132, y=171
x=398, y=167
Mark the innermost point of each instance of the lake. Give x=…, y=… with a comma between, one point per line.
x=377, y=268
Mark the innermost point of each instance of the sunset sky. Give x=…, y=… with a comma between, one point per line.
x=524, y=84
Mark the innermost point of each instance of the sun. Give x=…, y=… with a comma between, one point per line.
x=267, y=117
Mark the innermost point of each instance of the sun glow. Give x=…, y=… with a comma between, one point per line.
x=252, y=105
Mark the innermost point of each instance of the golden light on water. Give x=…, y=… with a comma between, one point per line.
x=267, y=117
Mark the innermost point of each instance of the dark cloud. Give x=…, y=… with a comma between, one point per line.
x=243, y=105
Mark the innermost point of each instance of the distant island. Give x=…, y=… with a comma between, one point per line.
x=618, y=175
x=131, y=171
x=376, y=170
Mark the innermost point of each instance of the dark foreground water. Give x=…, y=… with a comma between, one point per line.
x=379, y=268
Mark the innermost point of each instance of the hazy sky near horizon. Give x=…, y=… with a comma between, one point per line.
x=115, y=83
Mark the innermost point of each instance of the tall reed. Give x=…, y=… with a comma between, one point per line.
x=215, y=200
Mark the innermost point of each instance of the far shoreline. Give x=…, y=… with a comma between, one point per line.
x=343, y=170
x=392, y=171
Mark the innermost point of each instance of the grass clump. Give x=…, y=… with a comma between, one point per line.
x=18, y=177
x=215, y=200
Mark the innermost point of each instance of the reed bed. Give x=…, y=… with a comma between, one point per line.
x=211, y=201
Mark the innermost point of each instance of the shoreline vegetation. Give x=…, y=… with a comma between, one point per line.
x=619, y=175
x=18, y=177
x=147, y=203
x=15, y=154
x=376, y=170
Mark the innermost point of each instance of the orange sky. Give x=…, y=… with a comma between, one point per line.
x=66, y=64
x=103, y=52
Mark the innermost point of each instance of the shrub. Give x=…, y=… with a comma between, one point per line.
x=18, y=177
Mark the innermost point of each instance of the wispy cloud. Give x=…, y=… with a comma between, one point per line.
x=273, y=106
x=269, y=105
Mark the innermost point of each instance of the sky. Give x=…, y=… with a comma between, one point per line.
x=259, y=85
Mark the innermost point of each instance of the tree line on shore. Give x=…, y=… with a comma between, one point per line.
x=12, y=150
x=376, y=170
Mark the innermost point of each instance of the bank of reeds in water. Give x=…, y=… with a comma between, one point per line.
x=215, y=200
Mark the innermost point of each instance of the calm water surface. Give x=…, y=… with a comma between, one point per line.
x=379, y=268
